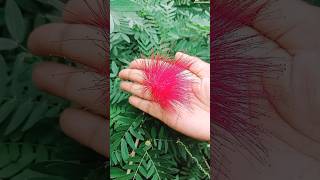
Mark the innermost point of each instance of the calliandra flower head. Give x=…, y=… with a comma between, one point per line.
x=168, y=81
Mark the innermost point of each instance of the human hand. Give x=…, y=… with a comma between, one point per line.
x=77, y=39
x=295, y=97
x=193, y=121
x=292, y=107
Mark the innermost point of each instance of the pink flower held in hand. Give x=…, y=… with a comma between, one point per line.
x=167, y=81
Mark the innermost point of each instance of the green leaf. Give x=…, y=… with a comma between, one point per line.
x=3, y=78
x=153, y=132
x=126, y=177
x=68, y=170
x=35, y=115
x=39, y=20
x=7, y=44
x=47, y=178
x=155, y=177
x=19, y=65
x=136, y=134
x=14, y=20
x=159, y=144
x=14, y=152
x=124, y=6
x=111, y=24
x=4, y=156
x=151, y=171
x=19, y=116
x=125, y=37
x=116, y=172
x=161, y=133
x=54, y=3
x=143, y=171
x=28, y=175
x=166, y=146
x=42, y=154
x=27, y=5
x=114, y=69
x=138, y=177
x=53, y=112
x=118, y=156
x=7, y=108
x=130, y=140
x=124, y=150
x=27, y=157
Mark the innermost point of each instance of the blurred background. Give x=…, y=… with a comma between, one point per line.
x=32, y=145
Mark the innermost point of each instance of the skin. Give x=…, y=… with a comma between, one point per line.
x=294, y=98
x=292, y=106
x=291, y=34
x=90, y=127
x=86, y=121
x=193, y=122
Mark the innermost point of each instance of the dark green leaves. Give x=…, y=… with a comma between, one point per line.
x=68, y=170
x=31, y=140
x=19, y=116
x=3, y=77
x=129, y=140
x=124, y=150
x=15, y=21
x=54, y=3
x=36, y=115
x=116, y=172
x=114, y=70
x=7, y=108
x=7, y=44
x=26, y=159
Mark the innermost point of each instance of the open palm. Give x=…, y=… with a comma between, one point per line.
x=294, y=98
x=193, y=120
x=293, y=101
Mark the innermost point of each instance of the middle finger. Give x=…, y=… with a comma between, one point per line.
x=85, y=88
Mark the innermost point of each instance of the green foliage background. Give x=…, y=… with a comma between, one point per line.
x=141, y=146
x=32, y=146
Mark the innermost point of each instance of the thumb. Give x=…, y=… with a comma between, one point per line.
x=197, y=66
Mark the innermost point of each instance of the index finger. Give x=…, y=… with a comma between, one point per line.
x=196, y=65
x=94, y=12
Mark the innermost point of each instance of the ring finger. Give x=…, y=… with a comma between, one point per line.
x=81, y=43
x=136, y=89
